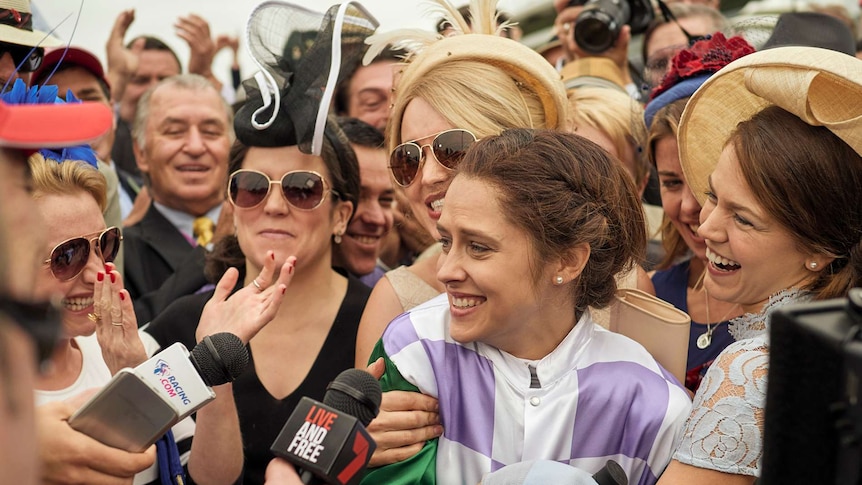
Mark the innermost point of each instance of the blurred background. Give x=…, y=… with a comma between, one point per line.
x=157, y=17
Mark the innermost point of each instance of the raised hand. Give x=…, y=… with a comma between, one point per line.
x=248, y=310
x=195, y=30
x=122, y=62
x=116, y=324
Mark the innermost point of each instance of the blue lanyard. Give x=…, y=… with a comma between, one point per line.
x=170, y=468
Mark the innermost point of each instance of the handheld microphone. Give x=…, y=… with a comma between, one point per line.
x=186, y=379
x=139, y=405
x=541, y=472
x=328, y=440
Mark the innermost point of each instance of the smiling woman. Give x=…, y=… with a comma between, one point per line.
x=536, y=224
x=778, y=172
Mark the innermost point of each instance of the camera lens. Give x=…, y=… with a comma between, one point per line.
x=597, y=27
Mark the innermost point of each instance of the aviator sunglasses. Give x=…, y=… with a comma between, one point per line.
x=447, y=146
x=69, y=258
x=302, y=189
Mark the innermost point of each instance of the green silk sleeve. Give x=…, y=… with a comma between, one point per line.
x=420, y=469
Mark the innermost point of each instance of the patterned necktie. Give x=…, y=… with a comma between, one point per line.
x=202, y=229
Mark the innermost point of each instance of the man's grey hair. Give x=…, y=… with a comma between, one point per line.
x=189, y=82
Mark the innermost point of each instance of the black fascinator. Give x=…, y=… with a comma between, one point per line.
x=302, y=55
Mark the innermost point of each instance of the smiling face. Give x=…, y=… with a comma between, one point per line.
x=186, y=150
x=751, y=256
x=678, y=202
x=276, y=225
x=420, y=124
x=373, y=219
x=67, y=216
x=370, y=93
x=482, y=253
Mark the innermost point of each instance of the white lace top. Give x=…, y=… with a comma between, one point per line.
x=725, y=429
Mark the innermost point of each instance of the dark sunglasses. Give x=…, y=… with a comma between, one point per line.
x=447, y=146
x=41, y=321
x=302, y=189
x=70, y=257
x=26, y=59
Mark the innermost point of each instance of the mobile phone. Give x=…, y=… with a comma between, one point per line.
x=128, y=413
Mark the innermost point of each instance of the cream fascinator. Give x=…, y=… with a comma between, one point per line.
x=822, y=87
x=476, y=41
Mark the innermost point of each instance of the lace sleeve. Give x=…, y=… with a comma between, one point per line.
x=725, y=429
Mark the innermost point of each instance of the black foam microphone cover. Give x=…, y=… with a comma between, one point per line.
x=220, y=358
x=355, y=392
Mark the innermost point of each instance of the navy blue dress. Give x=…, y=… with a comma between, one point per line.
x=671, y=286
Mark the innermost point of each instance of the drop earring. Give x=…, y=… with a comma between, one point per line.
x=337, y=238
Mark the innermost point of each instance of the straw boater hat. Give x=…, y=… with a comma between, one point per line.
x=476, y=41
x=16, y=25
x=822, y=87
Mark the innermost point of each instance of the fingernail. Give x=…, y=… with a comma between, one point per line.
x=283, y=290
x=438, y=430
x=272, y=255
x=107, y=268
x=122, y=296
x=290, y=269
x=100, y=276
x=113, y=278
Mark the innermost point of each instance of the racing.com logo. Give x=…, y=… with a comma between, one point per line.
x=162, y=368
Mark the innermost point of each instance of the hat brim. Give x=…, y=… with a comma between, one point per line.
x=820, y=86
x=519, y=61
x=34, y=126
x=32, y=38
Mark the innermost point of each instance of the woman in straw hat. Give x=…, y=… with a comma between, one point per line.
x=770, y=146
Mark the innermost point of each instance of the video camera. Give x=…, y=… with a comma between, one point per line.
x=598, y=25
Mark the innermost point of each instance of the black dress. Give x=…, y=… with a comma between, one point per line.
x=261, y=416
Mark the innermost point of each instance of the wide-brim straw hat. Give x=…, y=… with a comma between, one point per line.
x=820, y=86
x=16, y=26
x=519, y=61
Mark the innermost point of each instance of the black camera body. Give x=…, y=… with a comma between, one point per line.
x=598, y=25
x=813, y=416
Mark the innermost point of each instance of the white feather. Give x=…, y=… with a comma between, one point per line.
x=411, y=40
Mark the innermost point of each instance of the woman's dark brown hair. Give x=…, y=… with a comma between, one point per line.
x=565, y=190
x=810, y=181
x=340, y=161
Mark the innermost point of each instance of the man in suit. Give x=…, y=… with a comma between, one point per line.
x=182, y=133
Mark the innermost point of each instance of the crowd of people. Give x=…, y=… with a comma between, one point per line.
x=452, y=211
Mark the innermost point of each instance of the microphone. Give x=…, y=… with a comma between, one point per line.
x=541, y=472
x=327, y=441
x=219, y=358
x=611, y=474
x=139, y=405
x=186, y=379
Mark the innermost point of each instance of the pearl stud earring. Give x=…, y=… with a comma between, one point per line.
x=812, y=265
x=558, y=280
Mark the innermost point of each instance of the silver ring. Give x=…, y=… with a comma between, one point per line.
x=256, y=284
x=117, y=324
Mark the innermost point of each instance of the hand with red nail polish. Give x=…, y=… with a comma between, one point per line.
x=117, y=327
x=248, y=310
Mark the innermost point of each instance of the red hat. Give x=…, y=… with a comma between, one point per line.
x=69, y=56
